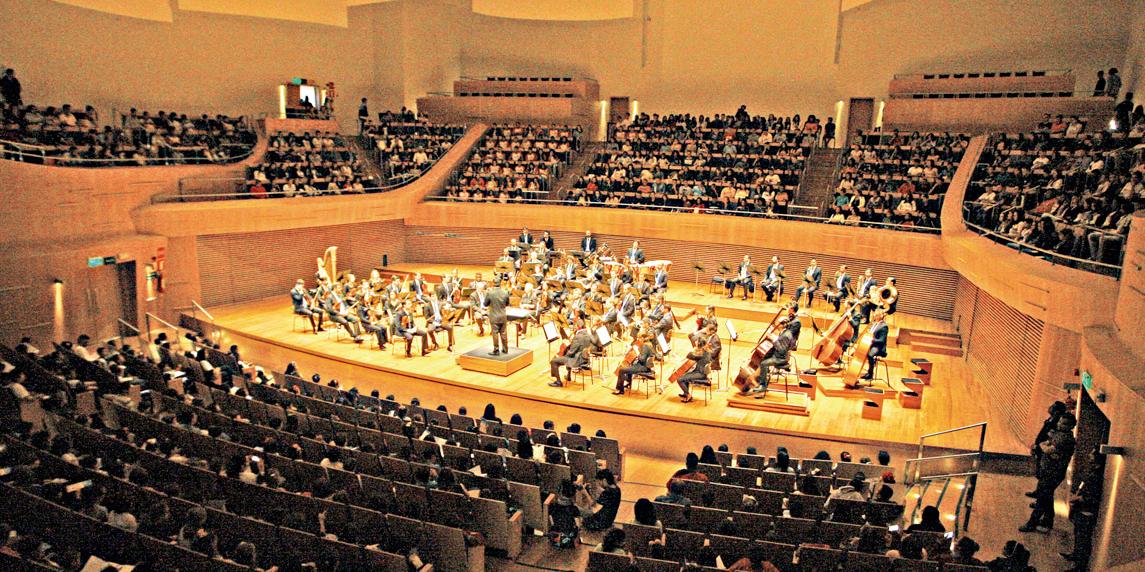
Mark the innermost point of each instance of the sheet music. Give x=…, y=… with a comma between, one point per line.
x=551, y=332
x=603, y=335
x=665, y=347
x=731, y=330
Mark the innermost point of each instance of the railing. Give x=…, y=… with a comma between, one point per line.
x=984, y=74
x=998, y=94
x=1047, y=255
x=40, y=155
x=123, y=326
x=966, y=498
x=179, y=198
x=148, y=317
x=693, y=210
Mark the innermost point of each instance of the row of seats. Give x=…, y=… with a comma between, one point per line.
x=1067, y=198
x=307, y=165
x=514, y=162
x=736, y=163
x=407, y=145
x=896, y=178
x=68, y=137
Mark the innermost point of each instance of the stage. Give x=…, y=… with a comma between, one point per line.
x=270, y=335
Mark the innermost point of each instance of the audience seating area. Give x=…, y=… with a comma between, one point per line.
x=896, y=178
x=1066, y=197
x=738, y=163
x=307, y=165
x=68, y=137
x=515, y=162
x=406, y=145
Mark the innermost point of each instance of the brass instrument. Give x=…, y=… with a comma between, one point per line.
x=886, y=295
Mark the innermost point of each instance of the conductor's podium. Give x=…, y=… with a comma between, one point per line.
x=504, y=365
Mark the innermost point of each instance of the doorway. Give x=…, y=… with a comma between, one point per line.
x=1092, y=432
x=128, y=309
x=860, y=117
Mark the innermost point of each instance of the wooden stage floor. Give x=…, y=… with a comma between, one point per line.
x=952, y=400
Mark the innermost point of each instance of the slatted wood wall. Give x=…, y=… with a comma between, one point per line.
x=922, y=291
x=242, y=267
x=1002, y=347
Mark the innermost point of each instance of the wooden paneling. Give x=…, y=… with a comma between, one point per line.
x=1043, y=83
x=1002, y=346
x=923, y=291
x=982, y=114
x=241, y=267
x=580, y=87
x=499, y=109
x=1131, y=295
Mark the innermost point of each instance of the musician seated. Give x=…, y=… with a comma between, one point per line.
x=778, y=357
x=701, y=358
x=336, y=309
x=742, y=278
x=477, y=305
x=303, y=306
x=641, y=363
x=434, y=311
x=575, y=356
x=812, y=277
x=660, y=280
x=878, y=333
x=404, y=327
x=372, y=321
x=772, y=281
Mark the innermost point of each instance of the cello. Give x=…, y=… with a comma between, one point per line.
x=829, y=348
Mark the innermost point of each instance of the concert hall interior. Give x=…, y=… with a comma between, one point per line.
x=654, y=285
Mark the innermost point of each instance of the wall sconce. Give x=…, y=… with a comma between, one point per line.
x=1111, y=450
x=57, y=281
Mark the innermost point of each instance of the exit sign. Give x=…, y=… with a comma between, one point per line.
x=1087, y=380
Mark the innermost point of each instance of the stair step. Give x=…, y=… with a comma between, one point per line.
x=932, y=349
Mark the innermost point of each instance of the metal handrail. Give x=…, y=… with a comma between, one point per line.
x=688, y=210
x=1080, y=262
x=928, y=435
x=148, y=316
x=195, y=305
x=16, y=151
x=998, y=94
x=936, y=457
x=948, y=475
x=124, y=323
x=1047, y=72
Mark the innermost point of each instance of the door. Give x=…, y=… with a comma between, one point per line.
x=860, y=117
x=128, y=309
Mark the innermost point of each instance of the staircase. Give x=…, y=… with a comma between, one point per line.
x=946, y=481
x=922, y=341
x=818, y=182
x=575, y=170
x=369, y=158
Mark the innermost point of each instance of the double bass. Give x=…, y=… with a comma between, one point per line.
x=858, y=358
x=829, y=349
x=763, y=347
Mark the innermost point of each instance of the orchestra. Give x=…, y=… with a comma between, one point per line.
x=534, y=284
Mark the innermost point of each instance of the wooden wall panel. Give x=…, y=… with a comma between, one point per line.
x=1002, y=347
x=923, y=291
x=240, y=267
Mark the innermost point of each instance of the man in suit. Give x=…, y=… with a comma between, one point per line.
x=742, y=278
x=660, y=280
x=636, y=254
x=812, y=277
x=662, y=320
x=496, y=302
x=588, y=243
x=336, y=309
x=842, y=286
x=373, y=326
x=525, y=238
x=627, y=303
x=434, y=312
x=698, y=374
x=610, y=317
x=879, y=332
x=1053, y=464
x=576, y=356
x=780, y=356
x=547, y=240
x=642, y=363
x=301, y=300
x=866, y=286
x=405, y=327
x=772, y=282
x=615, y=284
x=477, y=306
x=418, y=286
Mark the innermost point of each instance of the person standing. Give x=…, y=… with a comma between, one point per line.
x=10, y=88
x=1099, y=87
x=1083, y=512
x=1057, y=451
x=363, y=115
x=1113, y=83
x=496, y=301
x=1123, y=111
x=829, y=132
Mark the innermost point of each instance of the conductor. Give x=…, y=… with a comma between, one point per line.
x=495, y=302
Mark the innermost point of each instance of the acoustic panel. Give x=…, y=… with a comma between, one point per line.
x=242, y=267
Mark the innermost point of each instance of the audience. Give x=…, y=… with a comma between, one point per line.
x=1069, y=195
x=740, y=163
x=307, y=165
x=896, y=178
x=407, y=145
x=515, y=162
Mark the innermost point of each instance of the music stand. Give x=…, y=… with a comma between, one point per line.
x=733, y=335
x=505, y=267
x=552, y=334
x=665, y=349
x=698, y=268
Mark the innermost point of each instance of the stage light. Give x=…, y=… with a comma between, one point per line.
x=1113, y=124
x=282, y=102
x=58, y=308
x=57, y=282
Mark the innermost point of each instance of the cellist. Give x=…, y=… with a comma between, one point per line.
x=641, y=364
x=878, y=333
x=779, y=356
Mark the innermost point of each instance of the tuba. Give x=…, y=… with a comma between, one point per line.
x=886, y=295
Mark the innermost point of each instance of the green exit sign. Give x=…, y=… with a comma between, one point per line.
x=1087, y=380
